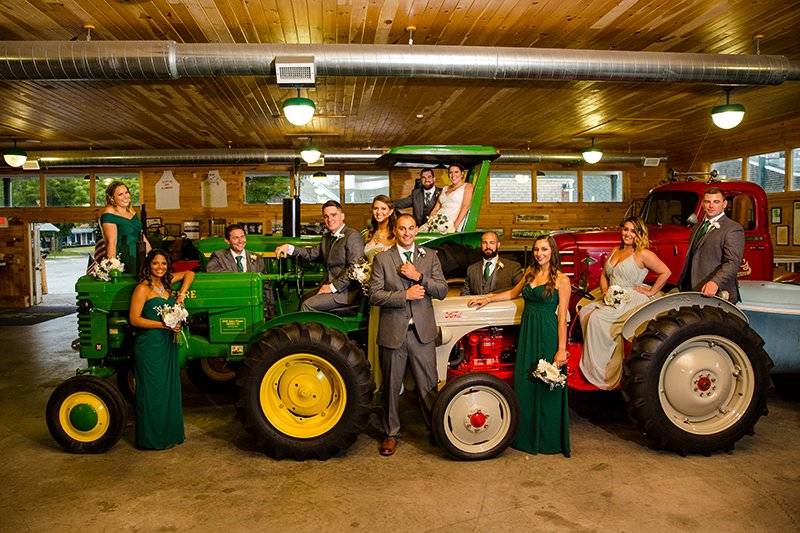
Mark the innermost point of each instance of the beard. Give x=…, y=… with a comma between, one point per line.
x=490, y=254
x=431, y=186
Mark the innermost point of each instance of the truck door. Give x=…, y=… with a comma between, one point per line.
x=757, y=263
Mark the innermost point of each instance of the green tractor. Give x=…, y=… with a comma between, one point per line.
x=304, y=384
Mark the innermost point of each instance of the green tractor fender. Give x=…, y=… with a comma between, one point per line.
x=329, y=320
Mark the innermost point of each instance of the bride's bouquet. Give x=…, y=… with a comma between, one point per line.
x=438, y=223
x=173, y=315
x=104, y=268
x=616, y=295
x=550, y=374
x=361, y=271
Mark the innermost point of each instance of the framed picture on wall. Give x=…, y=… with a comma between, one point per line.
x=172, y=230
x=192, y=229
x=216, y=226
x=776, y=215
x=153, y=223
x=782, y=235
x=796, y=223
x=253, y=228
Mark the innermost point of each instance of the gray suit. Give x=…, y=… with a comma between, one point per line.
x=505, y=275
x=401, y=343
x=715, y=257
x=337, y=255
x=223, y=261
x=416, y=201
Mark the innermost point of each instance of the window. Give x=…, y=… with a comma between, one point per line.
x=602, y=186
x=62, y=190
x=319, y=187
x=362, y=187
x=795, y=169
x=669, y=207
x=266, y=187
x=510, y=186
x=728, y=170
x=102, y=181
x=24, y=191
x=556, y=186
x=768, y=170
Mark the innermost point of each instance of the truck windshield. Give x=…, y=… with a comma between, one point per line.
x=669, y=207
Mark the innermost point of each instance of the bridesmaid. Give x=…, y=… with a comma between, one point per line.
x=159, y=412
x=121, y=226
x=544, y=413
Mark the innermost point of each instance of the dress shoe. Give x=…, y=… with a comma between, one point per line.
x=388, y=446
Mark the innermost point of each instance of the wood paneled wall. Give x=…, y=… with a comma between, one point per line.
x=15, y=253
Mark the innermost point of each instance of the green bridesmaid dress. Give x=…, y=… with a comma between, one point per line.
x=544, y=413
x=159, y=412
x=128, y=231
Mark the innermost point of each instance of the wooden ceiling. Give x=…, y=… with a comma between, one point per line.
x=361, y=112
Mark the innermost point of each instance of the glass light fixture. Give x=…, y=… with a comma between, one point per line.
x=299, y=110
x=592, y=154
x=15, y=157
x=729, y=115
x=310, y=154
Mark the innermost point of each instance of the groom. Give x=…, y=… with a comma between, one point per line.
x=422, y=199
x=404, y=280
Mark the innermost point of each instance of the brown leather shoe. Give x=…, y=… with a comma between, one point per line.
x=388, y=446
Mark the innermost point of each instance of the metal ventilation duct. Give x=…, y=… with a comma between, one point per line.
x=156, y=60
x=145, y=158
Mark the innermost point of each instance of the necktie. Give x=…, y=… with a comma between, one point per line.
x=487, y=269
x=408, y=257
x=239, y=266
x=428, y=198
x=703, y=230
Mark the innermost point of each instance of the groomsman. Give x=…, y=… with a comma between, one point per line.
x=235, y=258
x=405, y=279
x=491, y=274
x=715, y=252
x=422, y=199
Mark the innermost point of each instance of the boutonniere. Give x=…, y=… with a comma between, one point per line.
x=713, y=225
x=499, y=264
x=421, y=252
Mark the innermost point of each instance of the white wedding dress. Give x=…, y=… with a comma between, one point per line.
x=450, y=206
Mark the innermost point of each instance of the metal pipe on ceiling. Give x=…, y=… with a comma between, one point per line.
x=245, y=156
x=168, y=60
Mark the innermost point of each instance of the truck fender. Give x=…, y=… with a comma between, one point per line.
x=634, y=324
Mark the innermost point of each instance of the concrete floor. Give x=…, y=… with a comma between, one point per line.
x=217, y=481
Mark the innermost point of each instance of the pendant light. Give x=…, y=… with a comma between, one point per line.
x=729, y=115
x=15, y=157
x=592, y=154
x=299, y=110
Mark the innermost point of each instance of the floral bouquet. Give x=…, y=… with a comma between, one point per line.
x=438, y=223
x=361, y=271
x=550, y=374
x=104, y=268
x=172, y=315
x=616, y=295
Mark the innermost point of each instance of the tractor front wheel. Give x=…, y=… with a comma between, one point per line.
x=475, y=417
x=86, y=415
x=213, y=375
x=696, y=380
x=305, y=392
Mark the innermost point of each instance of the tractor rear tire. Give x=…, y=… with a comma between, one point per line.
x=697, y=380
x=475, y=417
x=213, y=375
x=305, y=392
x=86, y=415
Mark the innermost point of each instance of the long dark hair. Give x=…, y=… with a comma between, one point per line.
x=555, y=265
x=147, y=276
x=392, y=217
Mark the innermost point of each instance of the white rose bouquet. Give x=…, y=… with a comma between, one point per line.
x=550, y=374
x=105, y=267
x=616, y=295
x=172, y=316
x=361, y=271
x=438, y=223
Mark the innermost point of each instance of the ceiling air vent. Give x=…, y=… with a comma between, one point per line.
x=295, y=71
x=652, y=161
x=31, y=164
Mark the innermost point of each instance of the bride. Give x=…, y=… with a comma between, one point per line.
x=453, y=203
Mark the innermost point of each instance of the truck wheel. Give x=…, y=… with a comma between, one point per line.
x=305, y=392
x=214, y=375
x=475, y=416
x=697, y=380
x=86, y=415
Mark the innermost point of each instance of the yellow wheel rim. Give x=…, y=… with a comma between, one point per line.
x=84, y=402
x=302, y=395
